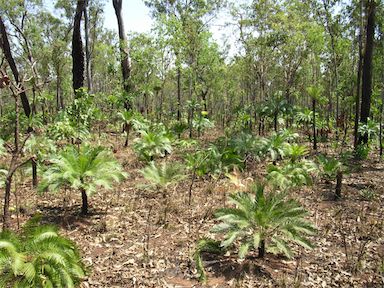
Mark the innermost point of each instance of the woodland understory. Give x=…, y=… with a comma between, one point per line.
x=172, y=159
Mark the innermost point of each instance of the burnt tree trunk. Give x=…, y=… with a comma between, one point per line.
x=87, y=48
x=261, y=249
x=358, y=83
x=314, y=123
x=4, y=43
x=367, y=69
x=339, y=182
x=77, y=49
x=84, y=200
x=124, y=52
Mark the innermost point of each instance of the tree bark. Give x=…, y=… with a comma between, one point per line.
x=84, y=200
x=367, y=69
x=314, y=123
x=87, y=48
x=77, y=49
x=4, y=42
x=261, y=249
x=358, y=84
x=124, y=52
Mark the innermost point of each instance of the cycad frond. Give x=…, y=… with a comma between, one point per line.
x=259, y=218
x=162, y=175
x=39, y=257
x=83, y=169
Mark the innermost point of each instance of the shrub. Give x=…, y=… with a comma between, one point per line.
x=85, y=169
x=262, y=221
x=39, y=257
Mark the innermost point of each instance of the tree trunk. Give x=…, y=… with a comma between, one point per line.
x=77, y=49
x=34, y=173
x=339, y=182
x=367, y=69
x=7, y=198
x=178, y=94
x=87, y=48
x=314, y=124
x=4, y=43
x=84, y=199
x=358, y=89
x=261, y=249
x=124, y=51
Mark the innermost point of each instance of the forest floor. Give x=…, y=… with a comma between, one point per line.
x=125, y=245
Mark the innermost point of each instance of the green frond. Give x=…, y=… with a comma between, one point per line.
x=209, y=246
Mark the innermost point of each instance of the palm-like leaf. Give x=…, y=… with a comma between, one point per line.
x=162, y=175
x=329, y=166
x=291, y=174
x=260, y=219
x=85, y=169
x=152, y=144
x=39, y=257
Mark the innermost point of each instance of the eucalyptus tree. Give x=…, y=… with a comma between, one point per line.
x=185, y=23
x=124, y=53
x=77, y=48
x=367, y=68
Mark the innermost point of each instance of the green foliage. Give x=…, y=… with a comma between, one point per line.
x=40, y=146
x=362, y=151
x=179, y=127
x=201, y=124
x=62, y=129
x=276, y=146
x=2, y=148
x=247, y=146
x=370, y=128
x=85, y=168
x=152, y=144
x=215, y=160
x=81, y=111
x=295, y=152
x=329, y=166
x=304, y=117
x=205, y=245
x=39, y=257
x=259, y=218
x=162, y=175
x=291, y=174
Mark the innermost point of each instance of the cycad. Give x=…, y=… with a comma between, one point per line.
x=39, y=257
x=295, y=152
x=263, y=221
x=276, y=146
x=291, y=174
x=160, y=177
x=152, y=144
x=85, y=169
x=126, y=117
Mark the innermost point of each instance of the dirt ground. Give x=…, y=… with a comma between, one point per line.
x=124, y=243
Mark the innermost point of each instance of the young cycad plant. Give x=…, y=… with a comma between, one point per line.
x=84, y=169
x=258, y=221
x=127, y=118
x=263, y=221
x=161, y=177
x=39, y=257
x=295, y=152
x=152, y=144
x=291, y=174
x=331, y=168
x=40, y=148
x=276, y=146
